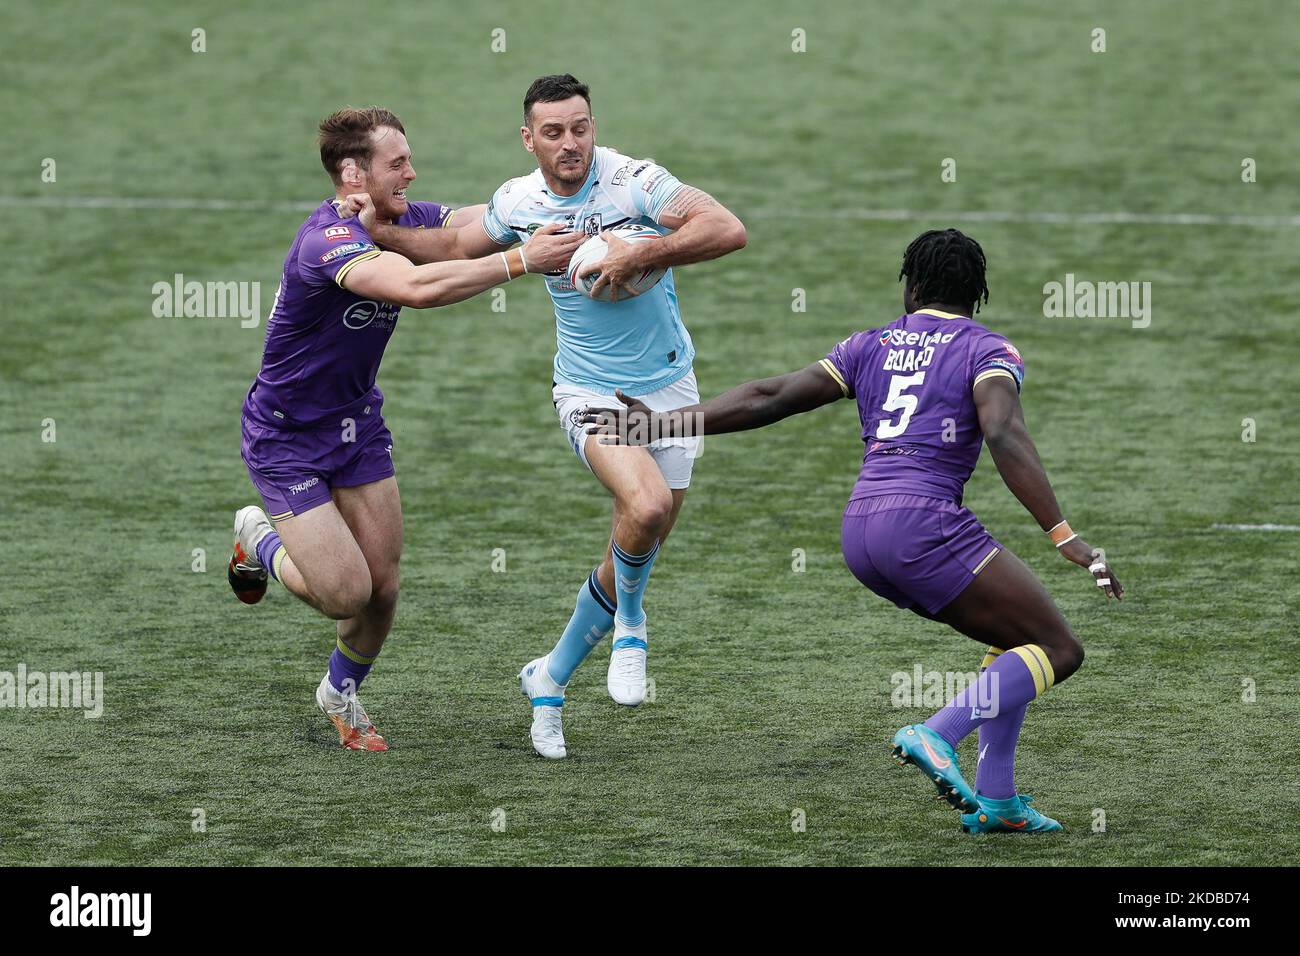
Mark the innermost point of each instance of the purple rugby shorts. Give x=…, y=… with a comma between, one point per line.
x=913, y=549
x=294, y=471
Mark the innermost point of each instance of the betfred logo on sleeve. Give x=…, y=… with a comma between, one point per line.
x=337, y=233
x=350, y=248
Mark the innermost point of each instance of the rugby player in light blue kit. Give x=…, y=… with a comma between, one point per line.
x=638, y=341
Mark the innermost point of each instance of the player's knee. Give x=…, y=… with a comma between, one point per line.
x=652, y=510
x=1077, y=648
x=383, y=592
x=1066, y=654
x=347, y=598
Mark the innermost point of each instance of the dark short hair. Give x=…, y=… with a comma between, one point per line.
x=554, y=89
x=946, y=265
x=346, y=134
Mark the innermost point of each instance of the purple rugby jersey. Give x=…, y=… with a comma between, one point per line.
x=912, y=380
x=323, y=343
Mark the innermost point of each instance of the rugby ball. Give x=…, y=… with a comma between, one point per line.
x=593, y=250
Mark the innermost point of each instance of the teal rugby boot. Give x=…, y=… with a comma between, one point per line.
x=918, y=745
x=1013, y=815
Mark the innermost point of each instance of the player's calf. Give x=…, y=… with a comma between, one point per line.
x=644, y=510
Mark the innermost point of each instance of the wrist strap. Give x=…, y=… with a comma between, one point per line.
x=1061, y=534
x=511, y=272
x=523, y=259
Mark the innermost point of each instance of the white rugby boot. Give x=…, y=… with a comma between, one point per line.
x=547, y=698
x=349, y=718
x=245, y=573
x=626, y=677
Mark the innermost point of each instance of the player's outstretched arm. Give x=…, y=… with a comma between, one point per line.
x=703, y=229
x=390, y=277
x=467, y=240
x=752, y=405
x=1003, y=423
x=462, y=237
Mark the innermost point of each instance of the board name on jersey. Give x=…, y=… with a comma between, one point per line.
x=908, y=360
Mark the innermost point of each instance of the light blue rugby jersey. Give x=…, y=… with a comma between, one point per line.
x=637, y=344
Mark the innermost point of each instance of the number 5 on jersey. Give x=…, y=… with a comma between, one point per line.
x=897, y=401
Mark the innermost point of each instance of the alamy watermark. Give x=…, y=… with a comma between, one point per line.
x=933, y=689
x=208, y=300
x=73, y=690
x=1084, y=299
x=75, y=908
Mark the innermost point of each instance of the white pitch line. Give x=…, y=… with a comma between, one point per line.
x=124, y=202
x=1255, y=527
x=1050, y=218
x=865, y=215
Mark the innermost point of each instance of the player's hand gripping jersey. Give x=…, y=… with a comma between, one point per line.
x=637, y=344
x=913, y=382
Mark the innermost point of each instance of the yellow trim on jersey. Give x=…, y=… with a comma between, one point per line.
x=347, y=266
x=993, y=654
x=989, y=373
x=942, y=315
x=1039, y=667
x=446, y=223
x=987, y=558
x=287, y=514
x=834, y=373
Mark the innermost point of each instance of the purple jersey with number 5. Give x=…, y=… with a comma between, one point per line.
x=913, y=382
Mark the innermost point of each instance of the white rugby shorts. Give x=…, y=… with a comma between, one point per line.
x=674, y=456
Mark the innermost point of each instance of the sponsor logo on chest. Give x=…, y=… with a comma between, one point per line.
x=371, y=314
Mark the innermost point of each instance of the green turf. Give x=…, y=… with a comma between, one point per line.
x=773, y=687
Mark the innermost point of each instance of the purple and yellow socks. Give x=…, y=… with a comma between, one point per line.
x=995, y=774
x=1008, y=682
x=348, y=668
x=271, y=554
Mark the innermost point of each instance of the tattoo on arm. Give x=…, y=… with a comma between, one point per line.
x=687, y=200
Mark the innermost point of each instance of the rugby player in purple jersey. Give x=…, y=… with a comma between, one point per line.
x=314, y=437
x=931, y=388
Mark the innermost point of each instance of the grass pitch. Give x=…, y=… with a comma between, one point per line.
x=772, y=687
